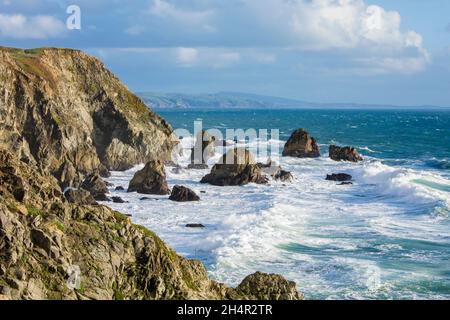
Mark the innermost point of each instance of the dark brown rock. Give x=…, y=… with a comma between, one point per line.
x=344, y=154
x=96, y=186
x=120, y=188
x=195, y=225
x=118, y=200
x=301, y=145
x=283, y=176
x=80, y=197
x=150, y=180
x=340, y=177
x=236, y=168
x=183, y=194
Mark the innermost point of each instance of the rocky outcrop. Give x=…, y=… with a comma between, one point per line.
x=80, y=197
x=96, y=186
x=263, y=286
x=183, y=194
x=65, y=112
x=340, y=177
x=276, y=172
x=301, y=145
x=150, y=180
x=202, y=151
x=51, y=249
x=344, y=154
x=283, y=176
x=236, y=168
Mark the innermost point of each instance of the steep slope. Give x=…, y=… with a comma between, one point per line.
x=64, y=111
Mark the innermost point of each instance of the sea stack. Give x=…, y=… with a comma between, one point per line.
x=301, y=145
x=202, y=151
x=344, y=154
x=150, y=180
x=236, y=168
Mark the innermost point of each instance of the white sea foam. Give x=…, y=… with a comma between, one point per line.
x=334, y=241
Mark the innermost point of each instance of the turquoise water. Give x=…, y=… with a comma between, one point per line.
x=385, y=237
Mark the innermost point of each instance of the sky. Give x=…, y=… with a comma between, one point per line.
x=363, y=51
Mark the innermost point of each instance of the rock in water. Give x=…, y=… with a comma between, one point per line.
x=202, y=151
x=236, y=168
x=283, y=176
x=150, y=180
x=340, y=177
x=183, y=194
x=118, y=200
x=263, y=286
x=96, y=186
x=66, y=112
x=195, y=225
x=344, y=154
x=80, y=197
x=301, y=145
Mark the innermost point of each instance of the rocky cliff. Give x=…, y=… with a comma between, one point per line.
x=65, y=112
x=63, y=115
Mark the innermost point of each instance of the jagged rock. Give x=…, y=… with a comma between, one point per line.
x=301, y=145
x=263, y=286
x=64, y=110
x=195, y=225
x=344, y=154
x=96, y=186
x=236, y=168
x=284, y=176
x=345, y=183
x=340, y=177
x=80, y=197
x=203, y=149
x=118, y=200
x=120, y=188
x=183, y=194
x=150, y=180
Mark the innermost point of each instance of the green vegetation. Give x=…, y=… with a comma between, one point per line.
x=34, y=212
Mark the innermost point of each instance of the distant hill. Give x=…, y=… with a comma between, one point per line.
x=229, y=100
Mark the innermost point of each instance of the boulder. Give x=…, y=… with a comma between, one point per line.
x=236, y=168
x=96, y=186
x=275, y=171
x=283, y=176
x=183, y=194
x=301, y=145
x=80, y=197
x=340, y=177
x=120, y=188
x=344, y=154
x=118, y=200
x=195, y=225
x=150, y=180
x=203, y=149
x=263, y=286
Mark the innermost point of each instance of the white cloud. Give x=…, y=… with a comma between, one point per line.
x=352, y=25
x=38, y=27
x=187, y=56
x=206, y=57
x=200, y=18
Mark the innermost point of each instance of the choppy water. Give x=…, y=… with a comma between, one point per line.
x=385, y=237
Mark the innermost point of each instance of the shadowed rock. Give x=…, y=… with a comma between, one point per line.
x=340, y=177
x=80, y=197
x=120, y=188
x=195, y=225
x=96, y=186
x=236, y=168
x=118, y=200
x=344, y=154
x=150, y=180
x=183, y=194
x=202, y=151
x=301, y=145
x=283, y=176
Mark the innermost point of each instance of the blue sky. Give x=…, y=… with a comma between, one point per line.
x=371, y=51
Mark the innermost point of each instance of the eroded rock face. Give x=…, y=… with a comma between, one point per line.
x=202, y=151
x=344, y=154
x=301, y=145
x=263, y=286
x=183, y=194
x=65, y=112
x=236, y=168
x=96, y=186
x=50, y=249
x=150, y=180
x=80, y=197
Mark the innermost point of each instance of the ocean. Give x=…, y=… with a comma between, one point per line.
x=387, y=236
